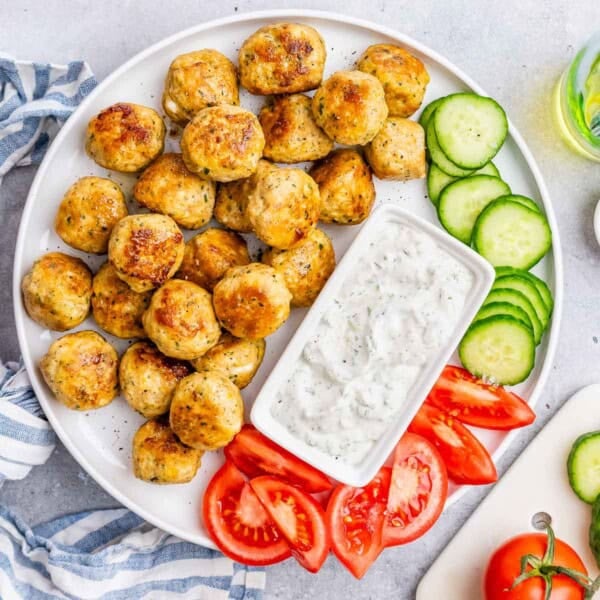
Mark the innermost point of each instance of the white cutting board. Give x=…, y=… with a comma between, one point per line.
x=536, y=482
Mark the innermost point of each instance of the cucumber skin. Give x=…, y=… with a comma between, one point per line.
x=505, y=279
x=534, y=325
x=571, y=470
x=481, y=324
x=478, y=97
x=428, y=112
x=539, y=283
x=594, y=535
x=507, y=307
x=481, y=219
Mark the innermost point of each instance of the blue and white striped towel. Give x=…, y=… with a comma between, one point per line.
x=103, y=554
x=35, y=100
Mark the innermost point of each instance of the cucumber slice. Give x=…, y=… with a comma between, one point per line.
x=525, y=201
x=520, y=300
x=509, y=234
x=523, y=284
x=461, y=202
x=503, y=308
x=439, y=158
x=437, y=180
x=540, y=284
x=428, y=111
x=583, y=466
x=499, y=348
x=470, y=129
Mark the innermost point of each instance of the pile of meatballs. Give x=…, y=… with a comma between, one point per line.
x=202, y=309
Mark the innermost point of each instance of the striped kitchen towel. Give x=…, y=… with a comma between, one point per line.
x=100, y=554
x=35, y=100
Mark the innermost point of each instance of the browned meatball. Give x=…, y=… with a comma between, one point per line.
x=398, y=150
x=283, y=206
x=223, y=143
x=291, y=134
x=207, y=410
x=148, y=378
x=196, y=80
x=159, y=457
x=350, y=107
x=181, y=321
x=81, y=370
x=89, y=210
x=306, y=267
x=282, y=59
x=346, y=187
x=210, y=254
x=57, y=291
x=403, y=76
x=146, y=250
x=115, y=306
x=125, y=137
x=252, y=301
x=237, y=358
x=167, y=187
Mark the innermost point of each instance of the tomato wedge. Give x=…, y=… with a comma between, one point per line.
x=237, y=521
x=418, y=490
x=355, y=518
x=298, y=516
x=466, y=458
x=254, y=454
x=474, y=402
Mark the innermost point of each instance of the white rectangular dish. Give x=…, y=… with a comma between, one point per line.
x=360, y=472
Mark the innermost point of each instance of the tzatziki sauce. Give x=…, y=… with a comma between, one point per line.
x=395, y=311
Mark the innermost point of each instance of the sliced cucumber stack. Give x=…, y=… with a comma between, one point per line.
x=500, y=348
x=507, y=233
x=428, y=112
x=437, y=180
x=439, y=158
x=469, y=129
x=518, y=299
x=492, y=309
x=461, y=202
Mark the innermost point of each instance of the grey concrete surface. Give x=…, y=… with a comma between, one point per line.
x=515, y=49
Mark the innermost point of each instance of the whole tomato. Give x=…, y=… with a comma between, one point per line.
x=536, y=566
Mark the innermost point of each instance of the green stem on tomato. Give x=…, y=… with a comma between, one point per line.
x=533, y=566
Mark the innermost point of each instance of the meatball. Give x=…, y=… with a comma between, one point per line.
x=282, y=59
x=403, y=76
x=350, y=107
x=159, y=457
x=88, y=212
x=181, y=321
x=306, y=267
x=398, y=150
x=232, y=198
x=207, y=410
x=252, y=301
x=196, y=80
x=125, y=137
x=167, y=187
x=283, y=206
x=146, y=250
x=291, y=134
x=237, y=358
x=148, y=378
x=115, y=306
x=345, y=187
x=209, y=254
x=223, y=143
x=81, y=370
x=57, y=291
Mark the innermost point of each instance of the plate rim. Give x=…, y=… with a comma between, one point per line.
x=19, y=312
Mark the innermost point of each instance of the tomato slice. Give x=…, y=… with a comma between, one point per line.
x=466, y=458
x=355, y=518
x=418, y=490
x=238, y=523
x=298, y=516
x=254, y=454
x=474, y=402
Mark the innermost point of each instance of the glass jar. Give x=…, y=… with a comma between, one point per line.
x=577, y=101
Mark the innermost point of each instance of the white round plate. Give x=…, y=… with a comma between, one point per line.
x=101, y=440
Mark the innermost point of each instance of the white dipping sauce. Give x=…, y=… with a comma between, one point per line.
x=396, y=309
